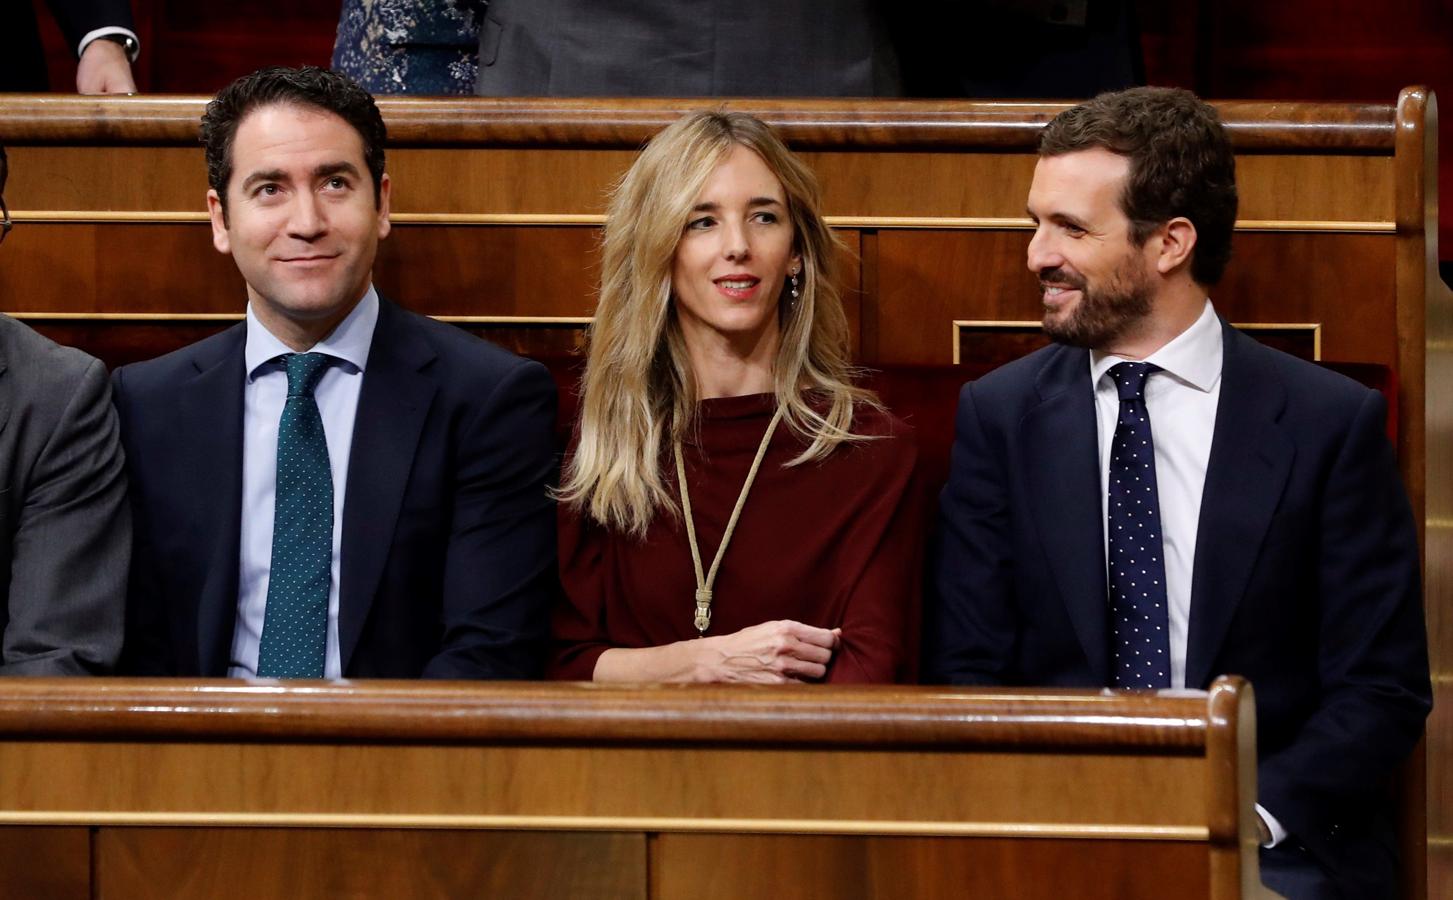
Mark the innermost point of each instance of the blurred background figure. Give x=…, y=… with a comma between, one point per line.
x=687, y=48
x=99, y=33
x=409, y=46
x=993, y=49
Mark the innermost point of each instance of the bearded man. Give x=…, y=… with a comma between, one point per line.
x=1157, y=499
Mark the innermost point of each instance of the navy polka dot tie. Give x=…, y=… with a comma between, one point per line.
x=295, y=626
x=1139, y=619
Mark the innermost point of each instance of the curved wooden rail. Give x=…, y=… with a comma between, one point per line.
x=718, y=715
x=627, y=123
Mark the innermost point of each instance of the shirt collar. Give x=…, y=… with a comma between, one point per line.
x=348, y=342
x=1193, y=356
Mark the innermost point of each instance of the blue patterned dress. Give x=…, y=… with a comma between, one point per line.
x=410, y=46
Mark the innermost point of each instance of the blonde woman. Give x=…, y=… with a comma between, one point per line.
x=733, y=508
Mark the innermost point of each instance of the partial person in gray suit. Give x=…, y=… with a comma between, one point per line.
x=686, y=48
x=65, y=527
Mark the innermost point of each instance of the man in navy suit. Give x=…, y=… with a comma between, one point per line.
x=335, y=487
x=100, y=33
x=1248, y=502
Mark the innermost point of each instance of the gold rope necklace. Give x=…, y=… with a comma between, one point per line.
x=705, y=582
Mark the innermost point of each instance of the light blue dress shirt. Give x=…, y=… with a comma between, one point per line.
x=264, y=394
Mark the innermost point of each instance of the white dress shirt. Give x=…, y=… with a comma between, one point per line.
x=264, y=395
x=1181, y=402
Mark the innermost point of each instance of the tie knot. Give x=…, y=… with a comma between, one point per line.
x=1130, y=378
x=304, y=370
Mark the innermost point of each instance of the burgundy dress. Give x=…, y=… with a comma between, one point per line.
x=832, y=543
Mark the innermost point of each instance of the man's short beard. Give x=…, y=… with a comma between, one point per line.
x=1103, y=315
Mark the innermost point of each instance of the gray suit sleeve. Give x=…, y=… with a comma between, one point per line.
x=71, y=543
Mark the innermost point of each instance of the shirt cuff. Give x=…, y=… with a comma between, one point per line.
x=108, y=30
x=1278, y=833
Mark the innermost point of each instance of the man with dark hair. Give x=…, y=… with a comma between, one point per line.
x=1158, y=499
x=335, y=487
x=65, y=529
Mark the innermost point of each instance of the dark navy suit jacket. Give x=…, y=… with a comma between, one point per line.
x=22, y=64
x=447, y=564
x=1306, y=575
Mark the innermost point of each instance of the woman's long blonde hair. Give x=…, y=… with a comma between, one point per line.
x=638, y=387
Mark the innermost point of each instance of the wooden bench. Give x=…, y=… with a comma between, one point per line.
x=498, y=202
x=130, y=789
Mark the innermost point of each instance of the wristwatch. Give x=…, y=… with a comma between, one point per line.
x=127, y=42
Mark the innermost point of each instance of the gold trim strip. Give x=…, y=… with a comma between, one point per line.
x=909, y=223
x=125, y=317
x=581, y=321
x=960, y=324
x=1315, y=327
x=887, y=223
x=1337, y=227
x=1438, y=523
x=497, y=218
x=627, y=823
x=1440, y=841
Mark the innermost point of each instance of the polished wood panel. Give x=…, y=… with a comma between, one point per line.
x=720, y=715
x=45, y=862
x=626, y=123
x=929, y=279
x=728, y=867
x=565, y=183
x=327, y=778
x=308, y=863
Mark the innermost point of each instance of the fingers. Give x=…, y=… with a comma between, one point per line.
x=772, y=652
x=809, y=634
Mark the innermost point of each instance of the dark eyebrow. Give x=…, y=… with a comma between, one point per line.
x=342, y=167
x=268, y=175
x=323, y=170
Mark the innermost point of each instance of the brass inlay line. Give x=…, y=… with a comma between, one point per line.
x=580, y=321
x=497, y=218
x=887, y=223
x=1438, y=523
x=106, y=217
x=1316, y=225
x=959, y=325
x=620, y=823
x=125, y=317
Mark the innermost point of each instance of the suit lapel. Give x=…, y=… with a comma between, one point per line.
x=392, y=407
x=1251, y=456
x=1062, y=466
x=209, y=413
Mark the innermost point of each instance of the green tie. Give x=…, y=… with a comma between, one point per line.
x=295, y=625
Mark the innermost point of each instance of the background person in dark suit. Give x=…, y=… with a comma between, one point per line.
x=336, y=486
x=100, y=33
x=670, y=48
x=1272, y=536
x=65, y=529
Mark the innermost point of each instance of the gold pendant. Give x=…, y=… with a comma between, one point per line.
x=703, y=610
